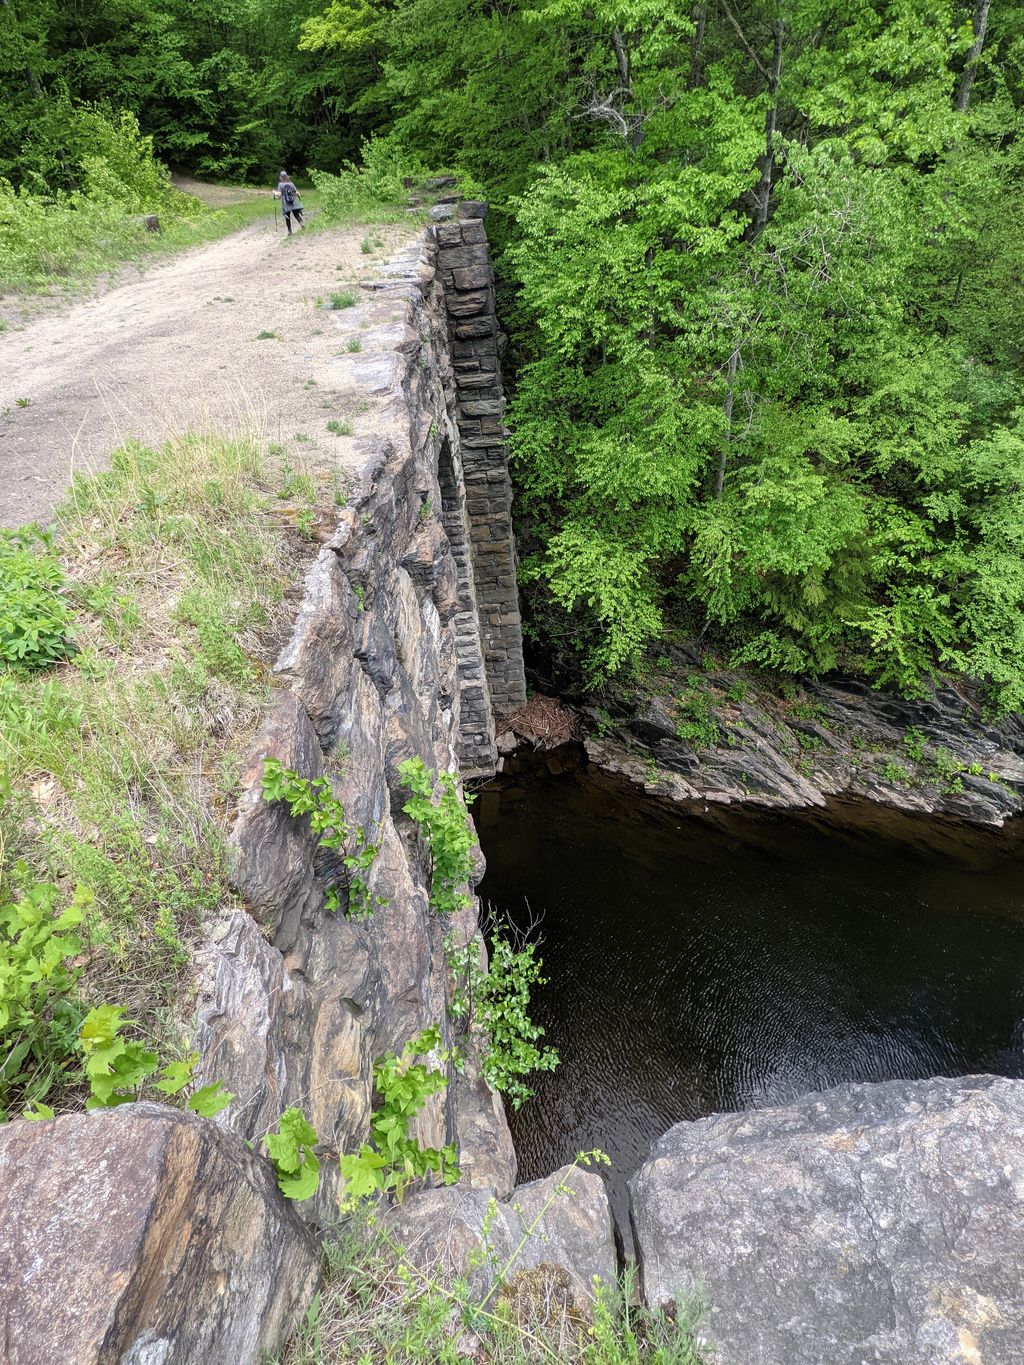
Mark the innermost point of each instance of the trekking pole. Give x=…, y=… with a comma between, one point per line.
x=275, y=213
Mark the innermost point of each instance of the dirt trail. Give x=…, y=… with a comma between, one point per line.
x=177, y=349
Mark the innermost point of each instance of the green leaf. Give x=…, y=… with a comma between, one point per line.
x=37, y=1112
x=210, y=1100
x=177, y=1075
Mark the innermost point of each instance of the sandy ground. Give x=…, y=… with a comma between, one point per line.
x=177, y=349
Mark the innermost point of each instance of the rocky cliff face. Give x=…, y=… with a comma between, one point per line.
x=406, y=644
x=706, y=736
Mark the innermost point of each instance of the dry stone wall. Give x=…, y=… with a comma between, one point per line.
x=406, y=644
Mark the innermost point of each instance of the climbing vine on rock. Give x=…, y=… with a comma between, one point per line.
x=443, y=820
x=291, y=1151
x=393, y=1159
x=116, y=1068
x=314, y=798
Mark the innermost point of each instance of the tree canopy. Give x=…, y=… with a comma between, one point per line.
x=761, y=264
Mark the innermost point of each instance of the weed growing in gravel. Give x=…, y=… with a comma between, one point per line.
x=344, y=300
x=353, y=344
x=340, y=428
x=267, y=336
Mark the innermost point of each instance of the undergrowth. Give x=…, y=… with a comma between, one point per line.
x=377, y=1306
x=117, y=764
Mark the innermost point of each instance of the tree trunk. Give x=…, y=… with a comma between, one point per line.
x=700, y=14
x=727, y=435
x=763, y=193
x=622, y=60
x=963, y=94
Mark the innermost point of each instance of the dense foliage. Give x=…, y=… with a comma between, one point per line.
x=766, y=262
x=762, y=269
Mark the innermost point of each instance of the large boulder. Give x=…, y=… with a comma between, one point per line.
x=870, y=1223
x=144, y=1236
x=461, y=1231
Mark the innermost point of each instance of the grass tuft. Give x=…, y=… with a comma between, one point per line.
x=376, y=1308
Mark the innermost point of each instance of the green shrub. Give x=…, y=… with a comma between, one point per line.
x=34, y=615
x=697, y=725
x=914, y=741
x=499, y=1001
x=52, y=230
x=362, y=192
x=446, y=827
x=39, y=1015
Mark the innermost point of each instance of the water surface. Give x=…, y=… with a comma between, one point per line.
x=694, y=969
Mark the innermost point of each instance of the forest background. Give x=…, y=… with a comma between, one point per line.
x=761, y=266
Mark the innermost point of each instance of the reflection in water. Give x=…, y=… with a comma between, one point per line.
x=695, y=969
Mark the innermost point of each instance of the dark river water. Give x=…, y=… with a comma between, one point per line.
x=695, y=968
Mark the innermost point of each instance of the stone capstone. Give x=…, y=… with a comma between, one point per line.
x=144, y=1236
x=442, y=1231
x=866, y=1224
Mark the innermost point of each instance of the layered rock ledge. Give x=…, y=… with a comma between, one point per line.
x=407, y=643
x=698, y=736
x=143, y=1234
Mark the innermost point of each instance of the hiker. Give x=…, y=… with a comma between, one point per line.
x=290, y=201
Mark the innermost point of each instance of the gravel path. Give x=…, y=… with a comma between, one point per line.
x=177, y=349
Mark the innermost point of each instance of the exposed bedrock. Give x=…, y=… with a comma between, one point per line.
x=144, y=1236
x=443, y=1231
x=870, y=1223
x=406, y=644
x=841, y=741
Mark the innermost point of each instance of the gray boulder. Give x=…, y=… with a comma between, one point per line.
x=870, y=1223
x=146, y=1236
x=443, y=1231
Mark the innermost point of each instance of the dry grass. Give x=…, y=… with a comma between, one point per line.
x=378, y=1307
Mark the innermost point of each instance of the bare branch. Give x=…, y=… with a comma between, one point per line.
x=743, y=39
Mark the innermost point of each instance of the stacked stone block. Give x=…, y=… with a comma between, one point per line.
x=465, y=271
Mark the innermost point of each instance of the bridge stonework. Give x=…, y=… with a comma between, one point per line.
x=466, y=275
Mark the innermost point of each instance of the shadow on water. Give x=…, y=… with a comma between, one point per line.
x=695, y=967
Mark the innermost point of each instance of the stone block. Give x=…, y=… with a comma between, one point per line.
x=448, y=235
x=474, y=231
x=476, y=327
x=146, y=1235
x=466, y=305
x=472, y=277
x=482, y=407
x=474, y=209
x=456, y=257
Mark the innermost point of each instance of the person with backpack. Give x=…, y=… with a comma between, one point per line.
x=290, y=201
